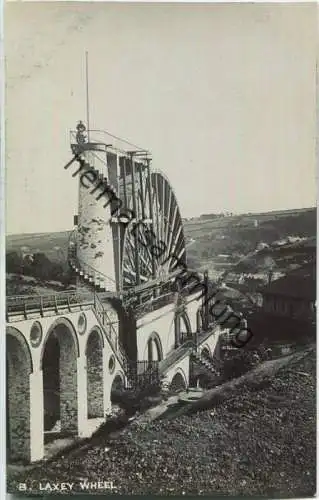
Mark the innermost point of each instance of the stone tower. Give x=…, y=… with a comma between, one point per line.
x=97, y=240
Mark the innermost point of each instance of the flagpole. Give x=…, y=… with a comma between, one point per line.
x=87, y=94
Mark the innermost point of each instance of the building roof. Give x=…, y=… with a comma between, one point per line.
x=299, y=284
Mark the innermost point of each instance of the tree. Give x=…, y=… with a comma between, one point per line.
x=13, y=263
x=42, y=266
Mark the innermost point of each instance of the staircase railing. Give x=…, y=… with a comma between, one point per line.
x=106, y=322
x=205, y=361
x=138, y=373
x=97, y=277
x=110, y=331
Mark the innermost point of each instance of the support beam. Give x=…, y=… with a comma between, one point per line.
x=135, y=208
x=36, y=416
x=82, y=396
x=149, y=185
x=205, y=303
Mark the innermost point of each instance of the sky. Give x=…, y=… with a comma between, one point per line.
x=223, y=95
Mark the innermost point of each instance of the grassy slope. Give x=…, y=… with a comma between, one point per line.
x=301, y=222
x=258, y=443
x=237, y=235
x=39, y=242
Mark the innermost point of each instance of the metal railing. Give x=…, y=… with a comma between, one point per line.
x=28, y=304
x=102, y=137
x=177, y=354
x=111, y=332
x=104, y=281
x=24, y=304
x=142, y=374
x=106, y=322
x=88, y=151
x=154, y=304
x=98, y=278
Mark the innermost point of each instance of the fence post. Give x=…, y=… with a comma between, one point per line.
x=25, y=309
x=56, y=303
x=41, y=305
x=68, y=302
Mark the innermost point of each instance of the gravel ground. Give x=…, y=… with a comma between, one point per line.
x=258, y=443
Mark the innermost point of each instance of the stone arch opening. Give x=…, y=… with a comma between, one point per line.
x=19, y=369
x=178, y=382
x=117, y=388
x=154, y=348
x=94, y=374
x=185, y=329
x=59, y=367
x=199, y=320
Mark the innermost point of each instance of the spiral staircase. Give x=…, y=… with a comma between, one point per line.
x=88, y=275
x=90, y=162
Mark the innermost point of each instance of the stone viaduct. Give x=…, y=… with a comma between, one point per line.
x=63, y=361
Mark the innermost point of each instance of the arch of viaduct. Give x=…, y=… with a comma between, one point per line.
x=62, y=367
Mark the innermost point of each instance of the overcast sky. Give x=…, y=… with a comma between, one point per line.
x=223, y=96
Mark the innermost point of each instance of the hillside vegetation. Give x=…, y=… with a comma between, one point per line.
x=220, y=242
x=216, y=244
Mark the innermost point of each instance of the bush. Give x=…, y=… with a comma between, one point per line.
x=13, y=263
x=238, y=363
x=41, y=267
x=139, y=399
x=38, y=266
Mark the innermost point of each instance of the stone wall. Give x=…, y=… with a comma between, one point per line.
x=94, y=373
x=18, y=400
x=68, y=381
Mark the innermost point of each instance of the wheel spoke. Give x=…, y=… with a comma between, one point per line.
x=176, y=240
x=167, y=227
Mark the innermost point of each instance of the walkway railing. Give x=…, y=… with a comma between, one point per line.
x=154, y=304
x=104, y=138
x=24, y=304
x=30, y=304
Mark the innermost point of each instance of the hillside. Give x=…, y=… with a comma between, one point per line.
x=218, y=243
x=40, y=242
x=206, y=237
x=250, y=243
x=259, y=442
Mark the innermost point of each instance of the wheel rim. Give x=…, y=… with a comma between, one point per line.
x=161, y=245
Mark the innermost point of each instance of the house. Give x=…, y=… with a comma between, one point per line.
x=293, y=295
x=287, y=308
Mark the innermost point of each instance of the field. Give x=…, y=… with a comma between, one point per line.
x=252, y=244
x=48, y=243
x=206, y=238
x=219, y=242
